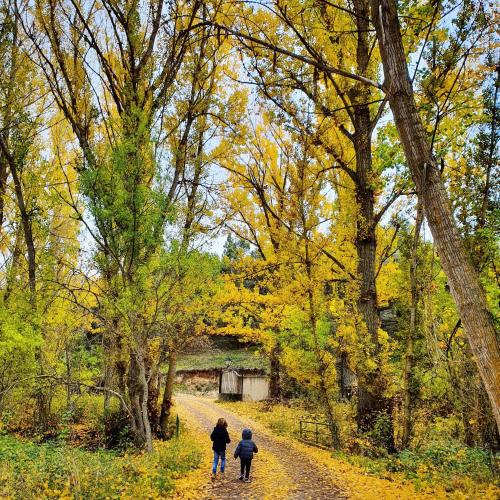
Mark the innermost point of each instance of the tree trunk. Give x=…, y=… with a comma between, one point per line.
x=120, y=364
x=153, y=395
x=371, y=399
x=167, y=401
x=25, y=221
x=365, y=240
x=144, y=406
x=275, y=375
x=408, y=379
x=14, y=266
x=463, y=278
x=3, y=188
x=360, y=94
x=107, y=371
x=138, y=396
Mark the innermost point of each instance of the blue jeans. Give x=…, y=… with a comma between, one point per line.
x=222, y=455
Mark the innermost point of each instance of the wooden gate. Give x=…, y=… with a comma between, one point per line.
x=319, y=434
x=231, y=382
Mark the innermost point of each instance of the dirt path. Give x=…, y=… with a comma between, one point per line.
x=278, y=471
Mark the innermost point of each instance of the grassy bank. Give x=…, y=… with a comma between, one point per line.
x=30, y=470
x=246, y=357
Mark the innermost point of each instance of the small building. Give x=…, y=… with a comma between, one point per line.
x=243, y=385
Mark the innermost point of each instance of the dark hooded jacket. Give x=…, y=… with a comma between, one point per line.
x=220, y=438
x=246, y=447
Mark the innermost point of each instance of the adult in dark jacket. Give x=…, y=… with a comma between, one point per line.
x=220, y=438
x=245, y=450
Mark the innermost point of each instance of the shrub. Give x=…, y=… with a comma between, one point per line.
x=444, y=462
x=116, y=430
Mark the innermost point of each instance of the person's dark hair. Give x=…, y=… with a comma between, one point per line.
x=222, y=422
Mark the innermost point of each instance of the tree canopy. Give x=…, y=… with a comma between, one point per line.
x=347, y=154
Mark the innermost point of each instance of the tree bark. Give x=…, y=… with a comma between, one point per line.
x=365, y=237
x=153, y=395
x=275, y=375
x=107, y=371
x=137, y=388
x=167, y=401
x=25, y=220
x=371, y=399
x=408, y=379
x=3, y=188
x=463, y=279
x=144, y=406
x=360, y=94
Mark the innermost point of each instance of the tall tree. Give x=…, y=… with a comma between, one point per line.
x=463, y=278
x=19, y=127
x=340, y=114
x=409, y=367
x=113, y=116
x=277, y=297
x=211, y=115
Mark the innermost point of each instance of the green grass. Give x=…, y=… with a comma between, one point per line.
x=30, y=470
x=248, y=357
x=443, y=464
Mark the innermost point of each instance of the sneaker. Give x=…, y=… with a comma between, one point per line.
x=247, y=480
x=213, y=476
x=241, y=477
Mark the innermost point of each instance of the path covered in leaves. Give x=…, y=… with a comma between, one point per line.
x=278, y=471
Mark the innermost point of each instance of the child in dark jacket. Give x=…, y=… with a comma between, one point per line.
x=220, y=438
x=245, y=450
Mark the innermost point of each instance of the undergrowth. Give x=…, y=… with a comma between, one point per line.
x=30, y=470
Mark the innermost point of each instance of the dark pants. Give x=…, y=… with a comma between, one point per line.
x=246, y=463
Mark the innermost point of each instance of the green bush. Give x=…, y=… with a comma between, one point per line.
x=382, y=431
x=446, y=462
x=116, y=431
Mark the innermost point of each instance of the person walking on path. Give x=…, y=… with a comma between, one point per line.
x=220, y=438
x=245, y=450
